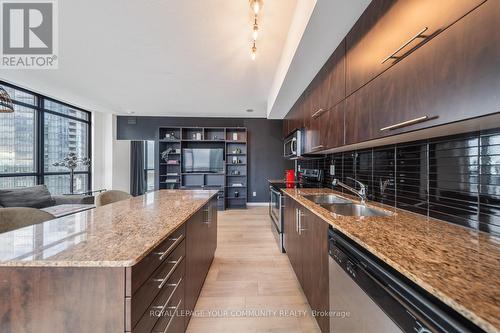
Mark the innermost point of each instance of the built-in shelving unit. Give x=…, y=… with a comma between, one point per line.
x=231, y=184
x=236, y=167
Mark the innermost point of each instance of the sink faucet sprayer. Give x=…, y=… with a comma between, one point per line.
x=361, y=193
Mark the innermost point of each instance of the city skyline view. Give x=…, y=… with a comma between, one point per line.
x=63, y=131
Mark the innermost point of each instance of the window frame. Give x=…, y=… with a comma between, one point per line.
x=39, y=144
x=146, y=169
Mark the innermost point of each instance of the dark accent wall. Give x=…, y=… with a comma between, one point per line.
x=454, y=178
x=265, y=145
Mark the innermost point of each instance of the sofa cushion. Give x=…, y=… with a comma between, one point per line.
x=34, y=197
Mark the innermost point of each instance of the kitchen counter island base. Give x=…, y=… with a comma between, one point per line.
x=153, y=295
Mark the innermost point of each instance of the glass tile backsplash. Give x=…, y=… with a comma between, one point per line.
x=455, y=178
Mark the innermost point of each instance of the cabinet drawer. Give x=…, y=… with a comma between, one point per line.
x=169, y=272
x=140, y=272
x=454, y=77
x=173, y=319
x=169, y=294
x=389, y=30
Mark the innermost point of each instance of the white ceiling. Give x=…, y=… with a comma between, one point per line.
x=189, y=57
x=164, y=57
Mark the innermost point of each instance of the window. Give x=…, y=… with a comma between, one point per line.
x=39, y=133
x=149, y=165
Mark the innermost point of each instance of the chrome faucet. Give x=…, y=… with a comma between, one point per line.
x=361, y=193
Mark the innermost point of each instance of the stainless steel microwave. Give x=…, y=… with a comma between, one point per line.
x=292, y=146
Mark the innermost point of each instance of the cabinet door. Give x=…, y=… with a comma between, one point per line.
x=292, y=246
x=454, y=77
x=196, y=258
x=211, y=225
x=335, y=81
x=391, y=27
x=314, y=241
x=310, y=135
x=286, y=124
x=331, y=127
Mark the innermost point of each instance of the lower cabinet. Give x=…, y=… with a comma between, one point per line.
x=164, y=286
x=200, y=247
x=306, y=244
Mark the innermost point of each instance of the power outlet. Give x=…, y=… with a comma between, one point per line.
x=254, y=194
x=332, y=170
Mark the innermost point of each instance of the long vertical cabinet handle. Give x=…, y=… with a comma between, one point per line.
x=296, y=220
x=300, y=222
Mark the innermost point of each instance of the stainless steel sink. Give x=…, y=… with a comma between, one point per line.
x=352, y=209
x=326, y=199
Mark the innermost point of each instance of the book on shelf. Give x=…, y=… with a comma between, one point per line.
x=171, y=181
x=172, y=174
x=237, y=185
x=173, y=162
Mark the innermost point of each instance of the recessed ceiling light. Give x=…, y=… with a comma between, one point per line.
x=249, y=110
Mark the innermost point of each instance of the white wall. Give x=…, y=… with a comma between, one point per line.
x=111, y=157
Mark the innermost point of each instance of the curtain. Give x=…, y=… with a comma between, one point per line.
x=137, y=175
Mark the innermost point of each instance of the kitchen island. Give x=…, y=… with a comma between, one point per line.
x=137, y=265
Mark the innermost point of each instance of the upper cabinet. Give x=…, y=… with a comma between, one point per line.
x=405, y=65
x=390, y=30
x=454, y=77
x=323, y=94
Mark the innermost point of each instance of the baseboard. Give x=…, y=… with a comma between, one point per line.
x=257, y=204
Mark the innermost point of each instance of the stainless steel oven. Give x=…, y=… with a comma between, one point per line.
x=276, y=214
x=292, y=146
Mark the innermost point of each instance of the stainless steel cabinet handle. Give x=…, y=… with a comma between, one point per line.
x=164, y=280
x=296, y=220
x=171, y=247
x=406, y=123
x=175, y=308
x=163, y=307
x=317, y=113
x=418, y=35
x=208, y=220
x=299, y=227
x=317, y=147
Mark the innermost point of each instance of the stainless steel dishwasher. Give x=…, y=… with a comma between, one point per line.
x=367, y=296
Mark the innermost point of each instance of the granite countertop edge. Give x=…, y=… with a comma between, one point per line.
x=108, y=263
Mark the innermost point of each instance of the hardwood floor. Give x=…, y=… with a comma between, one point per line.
x=251, y=286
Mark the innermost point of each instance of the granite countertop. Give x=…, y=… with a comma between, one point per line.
x=459, y=266
x=115, y=235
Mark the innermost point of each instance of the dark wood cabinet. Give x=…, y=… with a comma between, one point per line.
x=454, y=77
x=324, y=93
x=306, y=244
x=201, y=242
x=315, y=278
x=390, y=30
x=292, y=241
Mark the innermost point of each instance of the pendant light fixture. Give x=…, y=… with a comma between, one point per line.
x=255, y=32
x=6, y=105
x=256, y=6
x=253, y=55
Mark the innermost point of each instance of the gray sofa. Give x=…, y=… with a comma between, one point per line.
x=38, y=197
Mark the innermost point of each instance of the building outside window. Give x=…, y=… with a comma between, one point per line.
x=40, y=132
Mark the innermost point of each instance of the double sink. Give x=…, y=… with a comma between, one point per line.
x=341, y=206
